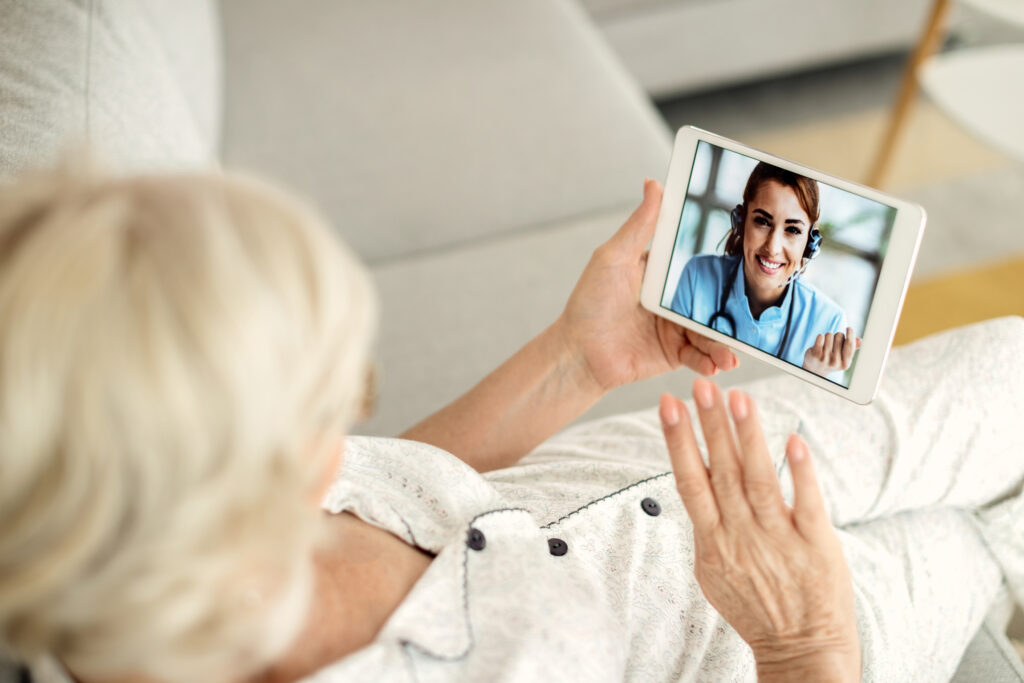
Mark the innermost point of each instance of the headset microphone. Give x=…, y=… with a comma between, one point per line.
x=795, y=275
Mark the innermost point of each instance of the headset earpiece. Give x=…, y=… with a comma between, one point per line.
x=813, y=246
x=737, y=219
x=811, y=249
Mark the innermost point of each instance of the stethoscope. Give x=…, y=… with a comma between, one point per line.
x=722, y=314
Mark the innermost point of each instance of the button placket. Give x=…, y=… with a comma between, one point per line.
x=557, y=547
x=475, y=539
x=650, y=506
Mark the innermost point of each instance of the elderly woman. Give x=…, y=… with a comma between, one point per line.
x=180, y=360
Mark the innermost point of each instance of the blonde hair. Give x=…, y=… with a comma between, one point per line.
x=170, y=348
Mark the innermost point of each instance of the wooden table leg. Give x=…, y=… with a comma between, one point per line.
x=926, y=46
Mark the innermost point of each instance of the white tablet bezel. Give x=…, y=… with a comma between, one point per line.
x=883, y=313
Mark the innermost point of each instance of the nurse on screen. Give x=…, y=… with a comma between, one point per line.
x=754, y=293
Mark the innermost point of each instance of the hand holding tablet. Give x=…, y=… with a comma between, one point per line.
x=801, y=269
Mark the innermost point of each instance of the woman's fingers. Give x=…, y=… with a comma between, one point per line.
x=723, y=460
x=819, y=347
x=687, y=353
x=697, y=361
x=720, y=354
x=837, y=348
x=723, y=357
x=696, y=351
x=759, y=479
x=809, y=513
x=849, y=345
x=691, y=475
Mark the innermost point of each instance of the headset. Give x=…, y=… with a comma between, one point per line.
x=811, y=249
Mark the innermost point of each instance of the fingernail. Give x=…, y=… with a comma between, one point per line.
x=797, y=452
x=702, y=393
x=646, y=183
x=669, y=411
x=738, y=401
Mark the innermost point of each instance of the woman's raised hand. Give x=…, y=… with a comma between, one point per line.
x=777, y=574
x=831, y=352
x=617, y=339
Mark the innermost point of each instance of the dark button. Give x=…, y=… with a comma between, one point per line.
x=651, y=507
x=476, y=539
x=557, y=547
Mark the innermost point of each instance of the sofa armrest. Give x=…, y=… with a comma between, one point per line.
x=990, y=658
x=138, y=82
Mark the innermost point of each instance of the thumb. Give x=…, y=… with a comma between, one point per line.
x=636, y=233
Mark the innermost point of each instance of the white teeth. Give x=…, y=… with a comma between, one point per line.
x=768, y=264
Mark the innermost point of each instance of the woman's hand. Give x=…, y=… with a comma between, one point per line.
x=831, y=352
x=617, y=339
x=776, y=574
x=603, y=339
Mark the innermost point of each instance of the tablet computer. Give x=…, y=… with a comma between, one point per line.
x=790, y=265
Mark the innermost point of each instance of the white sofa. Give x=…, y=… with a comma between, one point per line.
x=473, y=152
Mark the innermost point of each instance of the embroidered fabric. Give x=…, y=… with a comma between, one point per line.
x=924, y=485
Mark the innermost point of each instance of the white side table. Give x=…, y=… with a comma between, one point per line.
x=981, y=88
x=1007, y=11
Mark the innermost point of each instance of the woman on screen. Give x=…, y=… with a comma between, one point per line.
x=753, y=291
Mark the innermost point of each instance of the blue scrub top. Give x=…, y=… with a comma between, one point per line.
x=698, y=296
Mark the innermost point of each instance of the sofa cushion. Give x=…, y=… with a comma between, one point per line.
x=137, y=81
x=417, y=126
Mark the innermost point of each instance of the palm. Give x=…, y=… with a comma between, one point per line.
x=831, y=352
x=620, y=341
x=815, y=364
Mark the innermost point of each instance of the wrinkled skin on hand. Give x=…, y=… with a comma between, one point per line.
x=617, y=339
x=776, y=573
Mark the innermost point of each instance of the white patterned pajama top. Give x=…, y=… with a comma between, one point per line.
x=577, y=563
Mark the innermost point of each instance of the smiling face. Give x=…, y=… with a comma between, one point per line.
x=775, y=233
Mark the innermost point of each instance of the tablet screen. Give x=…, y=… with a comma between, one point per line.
x=777, y=260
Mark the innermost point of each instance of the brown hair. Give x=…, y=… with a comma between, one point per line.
x=806, y=191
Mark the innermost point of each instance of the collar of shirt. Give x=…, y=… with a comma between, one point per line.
x=768, y=330
x=431, y=519
x=772, y=315
x=435, y=520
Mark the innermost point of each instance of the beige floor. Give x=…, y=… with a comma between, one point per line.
x=932, y=148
